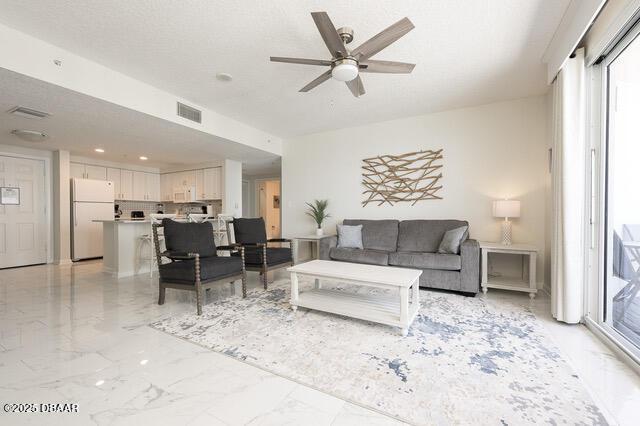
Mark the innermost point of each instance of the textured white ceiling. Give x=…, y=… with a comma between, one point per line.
x=468, y=52
x=81, y=123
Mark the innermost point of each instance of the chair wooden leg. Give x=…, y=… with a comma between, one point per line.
x=161, y=294
x=264, y=278
x=199, y=297
x=244, y=284
x=264, y=266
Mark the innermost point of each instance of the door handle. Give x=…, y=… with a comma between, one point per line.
x=75, y=214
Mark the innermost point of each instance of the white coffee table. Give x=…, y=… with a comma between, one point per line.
x=398, y=309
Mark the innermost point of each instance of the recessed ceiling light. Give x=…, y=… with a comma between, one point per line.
x=223, y=76
x=30, y=135
x=143, y=158
x=100, y=150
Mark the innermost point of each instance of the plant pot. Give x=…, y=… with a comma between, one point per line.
x=319, y=232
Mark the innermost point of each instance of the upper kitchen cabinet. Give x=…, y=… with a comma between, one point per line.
x=153, y=187
x=146, y=186
x=166, y=187
x=87, y=171
x=126, y=184
x=212, y=184
x=192, y=185
x=113, y=175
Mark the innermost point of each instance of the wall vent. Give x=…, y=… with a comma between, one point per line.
x=28, y=112
x=190, y=113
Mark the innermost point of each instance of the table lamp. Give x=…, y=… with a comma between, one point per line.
x=506, y=209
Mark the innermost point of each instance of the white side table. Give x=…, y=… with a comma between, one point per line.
x=527, y=283
x=314, y=242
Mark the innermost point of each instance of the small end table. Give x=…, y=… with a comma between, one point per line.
x=314, y=242
x=528, y=282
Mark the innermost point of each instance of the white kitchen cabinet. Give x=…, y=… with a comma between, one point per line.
x=87, y=171
x=166, y=187
x=213, y=183
x=126, y=184
x=96, y=172
x=153, y=187
x=178, y=187
x=200, y=191
x=139, y=186
x=146, y=186
x=113, y=175
x=77, y=171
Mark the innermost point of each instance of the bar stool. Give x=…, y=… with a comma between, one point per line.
x=147, y=239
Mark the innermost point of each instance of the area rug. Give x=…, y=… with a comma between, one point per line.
x=465, y=360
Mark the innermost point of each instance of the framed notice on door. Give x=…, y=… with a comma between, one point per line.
x=9, y=195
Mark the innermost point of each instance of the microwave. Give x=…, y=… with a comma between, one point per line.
x=184, y=195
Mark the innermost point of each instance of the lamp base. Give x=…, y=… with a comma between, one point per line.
x=506, y=233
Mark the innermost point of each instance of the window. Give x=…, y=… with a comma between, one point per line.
x=621, y=295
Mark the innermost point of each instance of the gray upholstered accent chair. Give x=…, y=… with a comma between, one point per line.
x=413, y=244
x=251, y=234
x=194, y=264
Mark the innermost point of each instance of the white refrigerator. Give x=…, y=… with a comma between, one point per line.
x=90, y=200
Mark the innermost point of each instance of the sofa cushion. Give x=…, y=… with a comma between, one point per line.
x=211, y=268
x=189, y=237
x=425, y=235
x=377, y=234
x=350, y=236
x=448, y=262
x=368, y=256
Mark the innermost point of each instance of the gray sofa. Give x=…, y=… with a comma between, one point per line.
x=413, y=244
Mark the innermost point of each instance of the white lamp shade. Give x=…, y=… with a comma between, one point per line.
x=506, y=208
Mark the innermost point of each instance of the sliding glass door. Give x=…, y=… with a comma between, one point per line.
x=621, y=281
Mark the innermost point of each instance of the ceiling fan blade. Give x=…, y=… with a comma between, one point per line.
x=356, y=87
x=388, y=67
x=329, y=34
x=383, y=39
x=323, y=77
x=300, y=61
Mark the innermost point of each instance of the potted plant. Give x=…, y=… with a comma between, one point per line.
x=318, y=211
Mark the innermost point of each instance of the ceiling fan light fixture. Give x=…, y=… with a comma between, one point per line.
x=345, y=70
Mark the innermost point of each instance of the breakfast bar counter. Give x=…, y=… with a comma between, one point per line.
x=127, y=247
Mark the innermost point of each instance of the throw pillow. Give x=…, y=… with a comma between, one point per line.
x=451, y=240
x=350, y=236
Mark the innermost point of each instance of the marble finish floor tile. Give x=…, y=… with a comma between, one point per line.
x=72, y=334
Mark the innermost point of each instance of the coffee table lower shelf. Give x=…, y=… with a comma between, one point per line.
x=383, y=310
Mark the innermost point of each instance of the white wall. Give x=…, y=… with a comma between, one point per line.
x=491, y=151
x=28, y=55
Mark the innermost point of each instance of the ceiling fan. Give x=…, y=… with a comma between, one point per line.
x=346, y=64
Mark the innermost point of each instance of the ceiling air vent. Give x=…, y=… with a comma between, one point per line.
x=190, y=113
x=28, y=112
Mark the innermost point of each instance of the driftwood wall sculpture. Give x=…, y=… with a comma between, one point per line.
x=410, y=177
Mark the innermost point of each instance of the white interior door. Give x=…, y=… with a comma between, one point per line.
x=23, y=227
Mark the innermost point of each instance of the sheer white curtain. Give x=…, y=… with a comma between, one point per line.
x=568, y=191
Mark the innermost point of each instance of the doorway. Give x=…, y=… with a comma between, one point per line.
x=268, y=196
x=23, y=217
